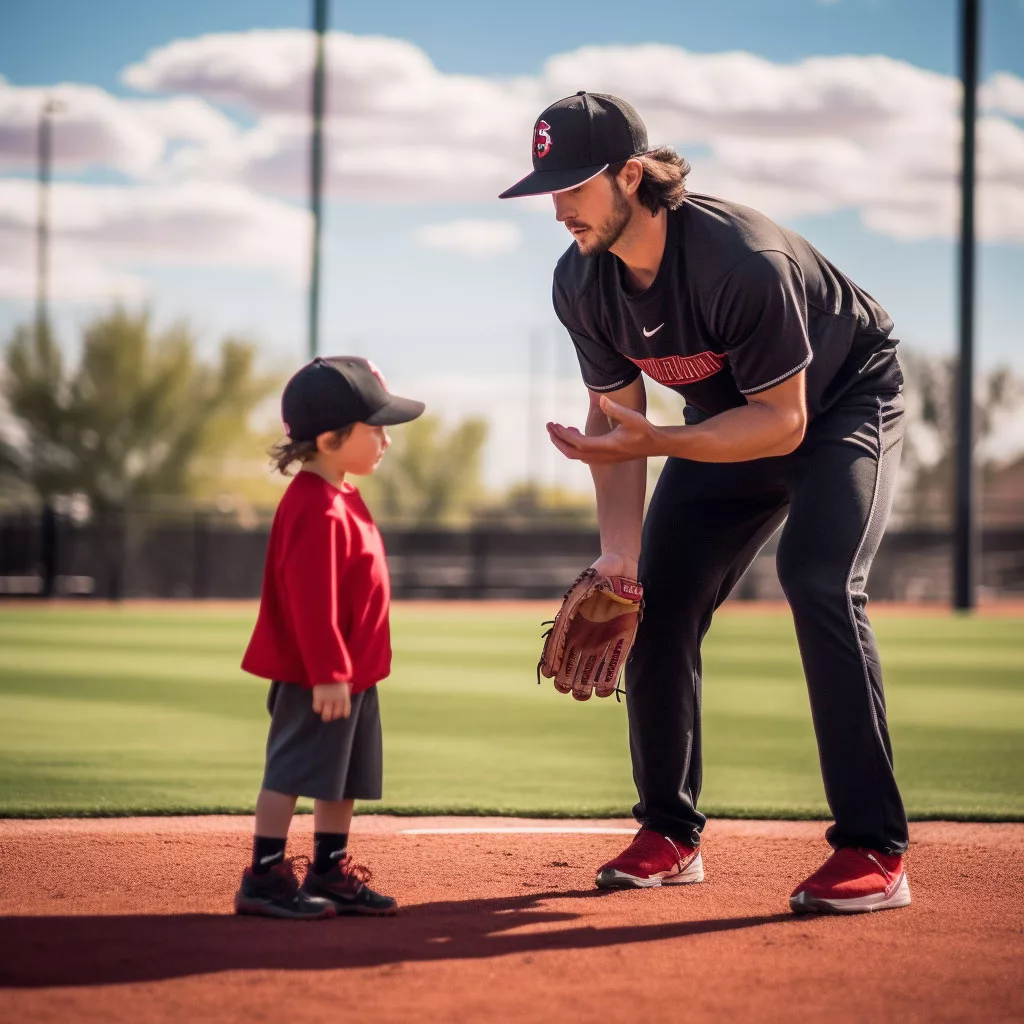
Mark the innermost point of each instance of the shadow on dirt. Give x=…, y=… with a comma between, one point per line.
x=42, y=952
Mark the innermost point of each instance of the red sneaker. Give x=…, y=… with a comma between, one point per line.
x=652, y=859
x=852, y=881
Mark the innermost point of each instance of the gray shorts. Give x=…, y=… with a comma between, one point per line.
x=306, y=756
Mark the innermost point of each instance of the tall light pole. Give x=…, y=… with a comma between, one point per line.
x=316, y=173
x=964, y=529
x=46, y=111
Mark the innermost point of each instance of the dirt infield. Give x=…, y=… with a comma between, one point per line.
x=129, y=919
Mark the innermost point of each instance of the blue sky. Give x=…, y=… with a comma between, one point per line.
x=49, y=39
x=425, y=309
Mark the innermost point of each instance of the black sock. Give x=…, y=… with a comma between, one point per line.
x=266, y=852
x=328, y=849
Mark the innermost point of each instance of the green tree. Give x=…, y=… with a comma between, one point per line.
x=431, y=475
x=132, y=416
x=530, y=504
x=929, y=451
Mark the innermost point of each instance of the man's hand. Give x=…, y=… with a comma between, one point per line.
x=771, y=423
x=332, y=700
x=633, y=437
x=613, y=564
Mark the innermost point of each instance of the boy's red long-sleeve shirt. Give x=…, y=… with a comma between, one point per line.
x=326, y=592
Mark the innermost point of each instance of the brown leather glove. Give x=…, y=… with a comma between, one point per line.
x=592, y=634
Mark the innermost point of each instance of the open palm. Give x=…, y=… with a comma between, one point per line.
x=632, y=437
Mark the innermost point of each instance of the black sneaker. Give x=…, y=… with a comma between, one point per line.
x=278, y=894
x=345, y=885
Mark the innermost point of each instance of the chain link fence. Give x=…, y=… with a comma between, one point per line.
x=188, y=551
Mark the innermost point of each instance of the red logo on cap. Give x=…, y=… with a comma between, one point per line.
x=377, y=374
x=542, y=139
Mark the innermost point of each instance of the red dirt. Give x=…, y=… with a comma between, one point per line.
x=129, y=919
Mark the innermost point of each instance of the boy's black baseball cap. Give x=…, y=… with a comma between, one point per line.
x=336, y=391
x=575, y=139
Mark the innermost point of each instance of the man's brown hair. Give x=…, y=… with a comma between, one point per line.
x=664, y=180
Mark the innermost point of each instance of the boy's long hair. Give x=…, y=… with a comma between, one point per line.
x=664, y=180
x=287, y=452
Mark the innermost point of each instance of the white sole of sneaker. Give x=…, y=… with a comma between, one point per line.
x=803, y=903
x=693, y=872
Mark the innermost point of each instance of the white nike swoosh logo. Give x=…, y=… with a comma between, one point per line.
x=272, y=857
x=651, y=334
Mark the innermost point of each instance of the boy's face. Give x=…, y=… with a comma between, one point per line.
x=360, y=453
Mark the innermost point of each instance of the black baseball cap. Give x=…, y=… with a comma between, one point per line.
x=336, y=391
x=577, y=138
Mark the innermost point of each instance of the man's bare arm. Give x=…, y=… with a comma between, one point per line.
x=620, y=488
x=772, y=423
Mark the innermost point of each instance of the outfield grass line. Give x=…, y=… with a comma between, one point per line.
x=66, y=812
x=995, y=607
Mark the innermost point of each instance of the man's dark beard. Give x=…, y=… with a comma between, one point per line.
x=608, y=233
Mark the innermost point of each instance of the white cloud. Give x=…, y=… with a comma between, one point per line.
x=398, y=129
x=684, y=96
x=827, y=133
x=480, y=239
x=269, y=71
x=75, y=275
x=1004, y=93
x=871, y=134
x=185, y=119
x=101, y=232
x=94, y=129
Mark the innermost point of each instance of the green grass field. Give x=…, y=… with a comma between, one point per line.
x=144, y=710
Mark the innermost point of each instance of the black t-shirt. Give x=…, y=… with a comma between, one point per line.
x=739, y=304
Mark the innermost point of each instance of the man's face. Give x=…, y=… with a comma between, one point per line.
x=596, y=213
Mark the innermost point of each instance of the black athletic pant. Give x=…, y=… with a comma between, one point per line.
x=705, y=524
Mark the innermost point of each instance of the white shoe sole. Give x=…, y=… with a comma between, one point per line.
x=693, y=872
x=804, y=903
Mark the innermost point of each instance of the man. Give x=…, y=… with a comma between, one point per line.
x=793, y=408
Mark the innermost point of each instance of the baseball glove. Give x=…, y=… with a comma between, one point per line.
x=591, y=636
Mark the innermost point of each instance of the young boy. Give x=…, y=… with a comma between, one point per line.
x=322, y=636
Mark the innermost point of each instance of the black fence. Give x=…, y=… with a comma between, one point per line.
x=197, y=553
